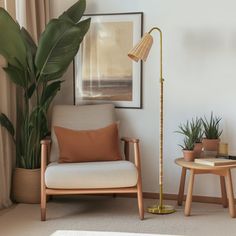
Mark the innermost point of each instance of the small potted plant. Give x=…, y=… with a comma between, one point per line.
x=189, y=130
x=188, y=149
x=212, y=132
x=197, y=133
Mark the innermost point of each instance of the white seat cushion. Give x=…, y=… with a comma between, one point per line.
x=108, y=174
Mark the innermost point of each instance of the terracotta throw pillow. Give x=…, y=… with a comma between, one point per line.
x=88, y=145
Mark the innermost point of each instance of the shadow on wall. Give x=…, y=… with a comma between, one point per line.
x=204, y=41
x=210, y=41
x=207, y=50
x=232, y=42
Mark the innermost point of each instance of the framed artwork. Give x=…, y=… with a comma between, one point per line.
x=103, y=72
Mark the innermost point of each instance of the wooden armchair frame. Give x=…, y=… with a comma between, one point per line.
x=45, y=151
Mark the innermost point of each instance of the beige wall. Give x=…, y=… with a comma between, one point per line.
x=200, y=77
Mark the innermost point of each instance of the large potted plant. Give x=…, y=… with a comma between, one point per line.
x=212, y=133
x=37, y=72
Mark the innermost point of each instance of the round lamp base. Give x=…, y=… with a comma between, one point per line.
x=164, y=209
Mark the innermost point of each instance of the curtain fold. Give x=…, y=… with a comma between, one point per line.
x=8, y=107
x=33, y=15
x=7, y=149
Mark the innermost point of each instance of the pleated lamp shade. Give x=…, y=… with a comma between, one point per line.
x=141, y=50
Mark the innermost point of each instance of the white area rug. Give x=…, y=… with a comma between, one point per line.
x=109, y=214
x=92, y=233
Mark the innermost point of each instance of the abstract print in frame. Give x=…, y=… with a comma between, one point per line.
x=102, y=70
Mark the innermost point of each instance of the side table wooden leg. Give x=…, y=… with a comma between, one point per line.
x=223, y=192
x=181, y=186
x=230, y=193
x=187, y=209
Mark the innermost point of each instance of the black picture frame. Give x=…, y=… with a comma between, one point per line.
x=119, y=83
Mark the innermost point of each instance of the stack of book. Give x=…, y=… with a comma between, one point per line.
x=215, y=161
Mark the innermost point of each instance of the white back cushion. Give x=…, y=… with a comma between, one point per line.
x=86, y=117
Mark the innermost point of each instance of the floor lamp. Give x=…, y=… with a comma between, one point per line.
x=140, y=52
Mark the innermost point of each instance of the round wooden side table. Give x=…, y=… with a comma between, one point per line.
x=223, y=171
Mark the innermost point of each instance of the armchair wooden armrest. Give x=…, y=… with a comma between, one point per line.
x=45, y=142
x=45, y=150
x=135, y=143
x=137, y=163
x=130, y=140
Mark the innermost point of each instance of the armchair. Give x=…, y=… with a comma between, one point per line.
x=120, y=176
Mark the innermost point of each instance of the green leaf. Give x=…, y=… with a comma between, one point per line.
x=31, y=143
x=55, y=76
x=16, y=75
x=83, y=26
x=49, y=91
x=31, y=49
x=6, y=123
x=22, y=162
x=29, y=42
x=58, y=45
x=75, y=12
x=11, y=44
x=212, y=127
x=31, y=90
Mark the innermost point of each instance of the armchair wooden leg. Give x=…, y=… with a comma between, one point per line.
x=139, y=183
x=43, y=214
x=43, y=207
x=140, y=202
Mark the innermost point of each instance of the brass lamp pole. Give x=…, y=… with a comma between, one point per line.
x=140, y=52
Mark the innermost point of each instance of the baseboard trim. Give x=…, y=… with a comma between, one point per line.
x=167, y=196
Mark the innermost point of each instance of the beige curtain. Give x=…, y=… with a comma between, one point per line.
x=33, y=15
x=7, y=149
x=8, y=107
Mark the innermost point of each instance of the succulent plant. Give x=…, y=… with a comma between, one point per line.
x=188, y=144
x=196, y=128
x=211, y=128
x=193, y=133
